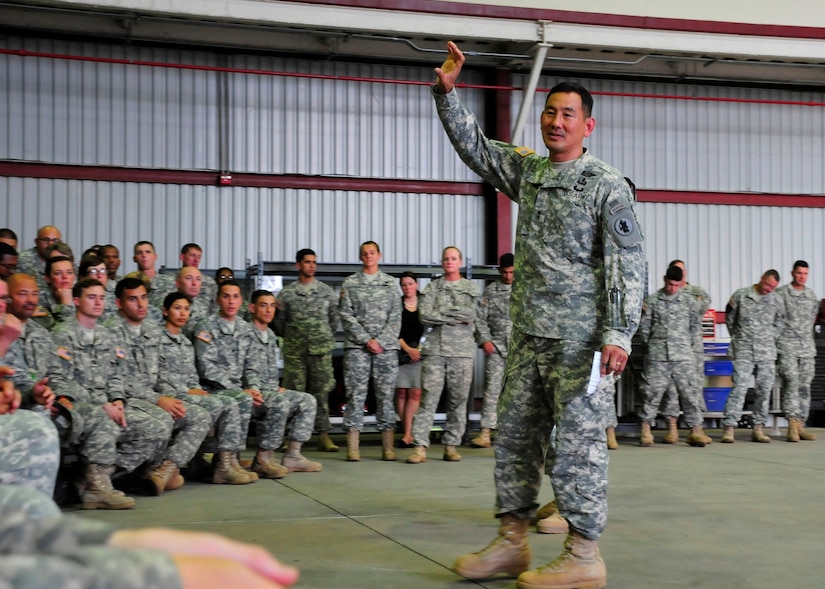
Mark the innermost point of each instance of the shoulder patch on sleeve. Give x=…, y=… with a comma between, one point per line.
x=63, y=352
x=41, y=312
x=623, y=227
x=524, y=151
x=120, y=352
x=204, y=336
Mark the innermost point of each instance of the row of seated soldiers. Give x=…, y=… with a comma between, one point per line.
x=138, y=398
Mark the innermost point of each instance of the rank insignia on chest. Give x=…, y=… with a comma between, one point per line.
x=63, y=353
x=120, y=352
x=41, y=312
x=205, y=337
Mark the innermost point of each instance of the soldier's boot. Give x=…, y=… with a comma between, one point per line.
x=265, y=465
x=175, y=481
x=418, y=455
x=388, y=445
x=451, y=454
x=553, y=524
x=612, y=443
x=672, y=435
x=325, y=444
x=646, y=440
x=508, y=553
x=579, y=566
x=696, y=437
x=759, y=435
x=98, y=492
x=158, y=478
x=294, y=461
x=727, y=435
x=545, y=511
x=353, y=439
x=243, y=466
x=803, y=433
x=227, y=471
x=793, y=430
x=482, y=440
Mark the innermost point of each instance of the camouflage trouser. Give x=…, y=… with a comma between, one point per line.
x=29, y=451
x=612, y=420
x=797, y=375
x=187, y=432
x=289, y=414
x=545, y=382
x=670, y=401
x=743, y=368
x=244, y=403
x=458, y=375
x=311, y=374
x=20, y=502
x=97, y=442
x=493, y=373
x=358, y=365
x=145, y=437
x=658, y=376
x=224, y=414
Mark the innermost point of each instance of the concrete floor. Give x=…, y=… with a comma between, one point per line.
x=726, y=516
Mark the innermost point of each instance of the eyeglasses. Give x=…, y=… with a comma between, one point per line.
x=225, y=277
x=95, y=272
x=48, y=239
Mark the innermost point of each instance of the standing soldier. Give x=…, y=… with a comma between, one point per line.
x=371, y=317
x=668, y=328
x=307, y=318
x=493, y=329
x=754, y=316
x=797, y=350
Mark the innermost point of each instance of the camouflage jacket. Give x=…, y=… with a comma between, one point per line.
x=579, y=261
x=669, y=326
x=493, y=323
x=449, y=307
x=50, y=313
x=800, y=309
x=370, y=309
x=225, y=358
x=140, y=364
x=32, y=358
x=267, y=354
x=307, y=318
x=177, y=371
x=754, y=322
x=702, y=300
x=29, y=262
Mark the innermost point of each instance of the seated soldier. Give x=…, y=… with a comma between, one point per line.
x=92, y=266
x=190, y=282
x=56, y=303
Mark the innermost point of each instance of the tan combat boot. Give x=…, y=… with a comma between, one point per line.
x=508, y=553
x=793, y=430
x=552, y=524
x=696, y=437
x=646, y=440
x=727, y=435
x=545, y=511
x=418, y=455
x=482, y=440
x=388, y=445
x=266, y=466
x=803, y=433
x=294, y=461
x=162, y=477
x=98, y=492
x=175, y=481
x=228, y=471
x=758, y=435
x=353, y=453
x=451, y=454
x=325, y=444
x=612, y=443
x=672, y=435
x=579, y=566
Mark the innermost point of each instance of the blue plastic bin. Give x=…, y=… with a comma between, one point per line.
x=715, y=398
x=717, y=348
x=718, y=367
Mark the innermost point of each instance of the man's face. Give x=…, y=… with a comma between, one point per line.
x=145, y=257
x=24, y=298
x=800, y=276
x=229, y=301
x=451, y=261
x=767, y=284
x=90, y=302
x=192, y=257
x=264, y=309
x=61, y=276
x=564, y=126
x=134, y=303
x=672, y=286
x=111, y=257
x=370, y=257
x=506, y=274
x=189, y=281
x=307, y=266
x=178, y=313
x=46, y=237
x=8, y=266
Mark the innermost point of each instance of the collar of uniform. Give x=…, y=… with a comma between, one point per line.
x=540, y=171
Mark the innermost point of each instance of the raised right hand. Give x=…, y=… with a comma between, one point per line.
x=449, y=70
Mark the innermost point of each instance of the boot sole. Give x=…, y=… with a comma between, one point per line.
x=475, y=576
x=89, y=506
x=589, y=584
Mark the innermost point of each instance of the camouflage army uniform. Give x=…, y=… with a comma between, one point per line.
x=50, y=313
x=199, y=310
x=579, y=279
x=110, y=301
x=447, y=310
x=797, y=349
x=86, y=426
x=29, y=451
x=29, y=262
x=177, y=374
x=209, y=288
x=229, y=361
x=90, y=373
x=754, y=322
x=40, y=547
x=140, y=366
x=307, y=318
x=668, y=328
x=494, y=325
x=370, y=309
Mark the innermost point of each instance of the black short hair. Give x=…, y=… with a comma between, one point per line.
x=52, y=261
x=7, y=250
x=129, y=284
x=226, y=283
x=190, y=246
x=83, y=284
x=408, y=274
x=674, y=273
x=575, y=88
x=170, y=299
x=675, y=262
x=797, y=264
x=771, y=274
x=258, y=294
x=7, y=233
x=87, y=262
x=506, y=261
x=302, y=253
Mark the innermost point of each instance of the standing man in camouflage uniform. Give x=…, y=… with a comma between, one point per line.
x=448, y=311
x=140, y=364
x=159, y=284
x=797, y=350
x=370, y=311
x=307, y=318
x=178, y=377
x=33, y=260
x=754, y=316
x=579, y=278
x=229, y=363
x=493, y=329
x=668, y=329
